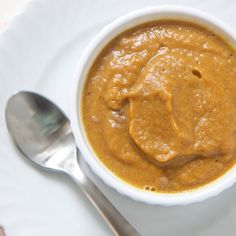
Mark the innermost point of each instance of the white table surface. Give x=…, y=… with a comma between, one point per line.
x=9, y=8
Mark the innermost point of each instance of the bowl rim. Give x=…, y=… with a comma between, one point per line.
x=89, y=55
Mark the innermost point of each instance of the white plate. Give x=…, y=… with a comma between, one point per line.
x=38, y=52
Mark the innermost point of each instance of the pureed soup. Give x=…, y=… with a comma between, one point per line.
x=159, y=106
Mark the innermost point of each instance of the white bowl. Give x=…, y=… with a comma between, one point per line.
x=97, y=44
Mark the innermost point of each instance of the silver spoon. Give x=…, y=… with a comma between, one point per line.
x=42, y=133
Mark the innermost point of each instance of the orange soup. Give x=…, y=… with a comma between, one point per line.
x=159, y=106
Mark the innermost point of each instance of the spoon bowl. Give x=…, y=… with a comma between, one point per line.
x=40, y=129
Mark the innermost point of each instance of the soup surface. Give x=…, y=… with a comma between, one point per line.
x=159, y=106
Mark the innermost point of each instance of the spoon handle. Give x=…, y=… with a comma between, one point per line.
x=118, y=224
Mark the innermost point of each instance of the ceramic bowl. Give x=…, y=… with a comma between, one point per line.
x=90, y=54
